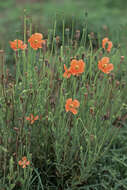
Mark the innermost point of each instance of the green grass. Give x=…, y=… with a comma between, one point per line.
x=111, y=14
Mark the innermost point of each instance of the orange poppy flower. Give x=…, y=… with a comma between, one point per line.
x=17, y=44
x=32, y=118
x=105, y=66
x=109, y=44
x=24, y=162
x=72, y=105
x=67, y=72
x=77, y=67
x=36, y=41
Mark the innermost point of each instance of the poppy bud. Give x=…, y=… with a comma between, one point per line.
x=7, y=71
x=106, y=116
x=21, y=99
x=31, y=85
x=93, y=85
x=121, y=59
x=101, y=53
x=36, y=68
x=87, y=86
x=16, y=129
x=26, y=74
x=92, y=35
x=110, y=80
x=123, y=84
x=14, y=154
x=71, y=58
x=57, y=39
x=67, y=30
x=47, y=62
x=117, y=83
x=105, y=27
x=77, y=35
x=83, y=55
x=92, y=137
x=60, y=59
x=92, y=110
x=47, y=117
x=28, y=33
x=10, y=85
x=9, y=140
x=1, y=51
x=112, y=75
x=86, y=95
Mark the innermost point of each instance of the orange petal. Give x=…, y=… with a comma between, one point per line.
x=65, y=68
x=67, y=105
x=67, y=75
x=32, y=121
x=24, y=166
x=28, y=118
x=67, y=108
x=27, y=163
x=109, y=68
x=36, y=118
x=74, y=111
x=69, y=101
x=105, y=60
x=24, y=158
x=76, y=103
x=74, y=61
x=20, y=162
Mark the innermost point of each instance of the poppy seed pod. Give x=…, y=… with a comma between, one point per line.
x=77, y=35
x=92, y=110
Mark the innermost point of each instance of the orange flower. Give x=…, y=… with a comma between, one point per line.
x=77, y=67
x=24, y=162
x=67, y=72
x=17, y=44
x=71, y=105
x=36, y=41
x=32, y=118
x=109, y=44
x=105, y=66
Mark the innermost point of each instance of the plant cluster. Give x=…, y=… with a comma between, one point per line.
x=60, y=112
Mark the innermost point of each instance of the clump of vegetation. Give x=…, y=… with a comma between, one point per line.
x=61, y=109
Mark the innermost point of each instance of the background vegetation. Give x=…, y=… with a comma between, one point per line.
x=101, y=14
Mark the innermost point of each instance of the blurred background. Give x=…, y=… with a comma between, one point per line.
x=99, y=15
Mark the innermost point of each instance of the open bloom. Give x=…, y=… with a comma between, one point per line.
x=105, y=66
x=77, y=67
x=32, y=118
x=72, y=105
x=24, y=162
x=106, y=44
x=17, y=44
x=36, y=41
x=67, y=72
